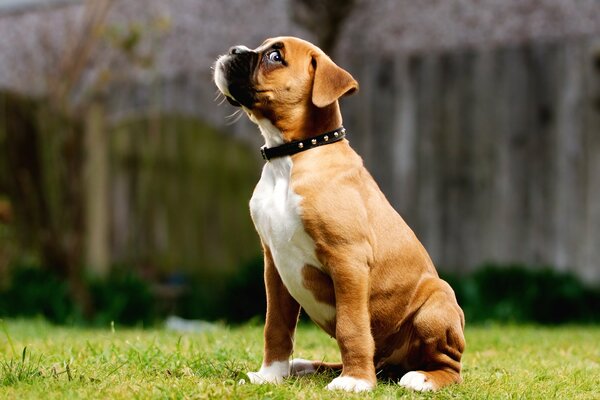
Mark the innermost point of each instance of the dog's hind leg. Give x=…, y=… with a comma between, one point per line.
x=438, y=342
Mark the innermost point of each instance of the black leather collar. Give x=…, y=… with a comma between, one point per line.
x=297, y=146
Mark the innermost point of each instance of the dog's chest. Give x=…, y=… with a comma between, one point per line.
x=276, y=211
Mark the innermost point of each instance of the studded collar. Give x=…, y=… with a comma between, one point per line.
x=287, y=149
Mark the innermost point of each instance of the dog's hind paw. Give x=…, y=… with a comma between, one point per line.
x=350, y=384
x=416, y=381
x=300, y=367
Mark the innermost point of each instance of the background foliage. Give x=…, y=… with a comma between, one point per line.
x=507, y=294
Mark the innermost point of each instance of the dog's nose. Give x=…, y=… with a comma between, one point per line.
x=238, y=50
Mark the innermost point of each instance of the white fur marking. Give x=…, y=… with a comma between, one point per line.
x=276, y=210
x=301, y=367
x=273, y=136
x=219, y=76
x=350, y=384
x=416, y=381
x=273, y=373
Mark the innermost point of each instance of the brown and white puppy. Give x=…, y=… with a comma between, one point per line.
x=332, y=243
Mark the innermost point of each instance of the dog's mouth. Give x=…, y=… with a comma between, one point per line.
x=233, y=76
x=232, y=101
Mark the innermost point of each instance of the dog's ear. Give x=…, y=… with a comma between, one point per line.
x=330, y=82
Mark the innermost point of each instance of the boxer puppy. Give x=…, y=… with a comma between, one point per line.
x=332, y=243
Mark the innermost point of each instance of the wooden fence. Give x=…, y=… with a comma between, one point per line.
x=490, y=155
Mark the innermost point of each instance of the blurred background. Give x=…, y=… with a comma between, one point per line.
x=124, y=184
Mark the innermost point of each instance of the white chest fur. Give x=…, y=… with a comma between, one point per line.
x=276, y=211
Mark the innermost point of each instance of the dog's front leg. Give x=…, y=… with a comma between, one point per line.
x=353, y=328
x=280, y=325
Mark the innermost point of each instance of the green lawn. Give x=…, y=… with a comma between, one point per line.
x=62, y=362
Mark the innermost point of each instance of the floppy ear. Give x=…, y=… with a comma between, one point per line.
x=330, y=82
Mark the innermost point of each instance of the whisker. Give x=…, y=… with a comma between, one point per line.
x=236, y=119
x=220, y=96
x=233, y=114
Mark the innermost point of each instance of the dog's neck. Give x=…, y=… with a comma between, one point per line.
x=314, y=121
x=272, y=135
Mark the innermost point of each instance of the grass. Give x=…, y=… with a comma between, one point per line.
x=38, y=360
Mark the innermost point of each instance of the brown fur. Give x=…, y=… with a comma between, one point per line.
x=292, y=85
x=392, y=310
x=321, y=286
x=372, y=255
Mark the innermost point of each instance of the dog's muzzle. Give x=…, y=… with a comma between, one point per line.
x=233, y=76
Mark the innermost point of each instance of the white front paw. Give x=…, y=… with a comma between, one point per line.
x=259, y=378
x=416, y=381
x=350, y=384
x=273, y=373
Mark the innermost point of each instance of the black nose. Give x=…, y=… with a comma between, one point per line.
x=238, y=50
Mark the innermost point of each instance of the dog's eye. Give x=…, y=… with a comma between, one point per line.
x=275, y=56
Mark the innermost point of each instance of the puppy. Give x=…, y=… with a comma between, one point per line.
x=333, y=245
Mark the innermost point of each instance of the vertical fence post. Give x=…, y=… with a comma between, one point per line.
x=97, y=253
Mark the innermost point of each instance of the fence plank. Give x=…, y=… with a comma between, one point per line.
x=492, y=154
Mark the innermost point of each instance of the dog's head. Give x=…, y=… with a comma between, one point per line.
x=286, y=80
